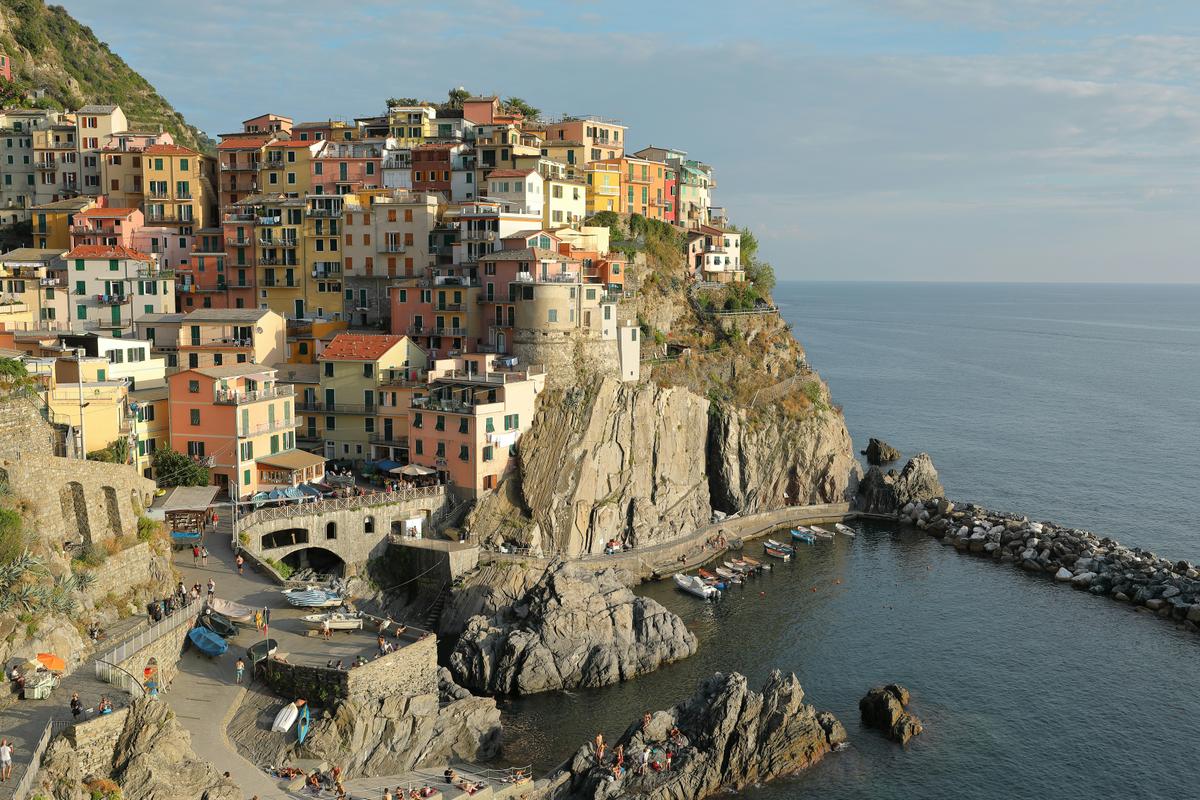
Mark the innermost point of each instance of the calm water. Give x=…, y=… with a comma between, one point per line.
x=1077, y=404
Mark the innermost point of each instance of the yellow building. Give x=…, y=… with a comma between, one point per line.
x=81, y=388
x=150, y=422
x=573, y=154
x=307, y=338
x=353, y=368
x=411, y=125
x=213, y=337
x=286, y=167
x=52, y=221
x=564, y=202
x=321, y=238
x=179, y=187
x=603, y=188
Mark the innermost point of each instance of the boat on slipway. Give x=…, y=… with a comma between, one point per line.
x=234, y=611
x=287, y=716
x=313, y=597
x=261, y=650
x=337, y=620
x=303, y=724
x=693, y=584
x=218, y=623
x=207, y=642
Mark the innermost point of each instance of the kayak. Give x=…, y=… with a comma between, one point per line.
x=261, y=650
x=218, y=623
x=303, y=724
x=207, y=642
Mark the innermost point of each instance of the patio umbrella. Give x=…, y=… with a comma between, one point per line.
x=52, y=662
x=413, y=470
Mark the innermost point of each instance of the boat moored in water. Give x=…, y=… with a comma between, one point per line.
x=693, y=584
x=782, y=555
x=846, y=529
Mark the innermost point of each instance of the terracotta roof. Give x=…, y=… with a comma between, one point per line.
x=108, y=212
x=510, y=173
x=239, y=143
x=107, y=251
x=169, y=150
x=359, y=346
x=296, y=143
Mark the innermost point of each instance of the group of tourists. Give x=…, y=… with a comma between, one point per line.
x=654, y=756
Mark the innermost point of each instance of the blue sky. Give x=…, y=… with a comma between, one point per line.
x=862, y=139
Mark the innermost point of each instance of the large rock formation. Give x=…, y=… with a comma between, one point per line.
x=883, y=708
x=885, y=493
x=144, y=750
x=573, y=628
x=880, y=452
x=729, y=737
x=398, y=733
x=759, y=462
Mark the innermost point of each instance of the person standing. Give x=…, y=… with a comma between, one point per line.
x=6, y=754
x=241, y=563
x=258, y=620
x=195, y=554
x=204, y=556
x=76, y=705
x=239, y=669
x=326, y=631
x=212, y=589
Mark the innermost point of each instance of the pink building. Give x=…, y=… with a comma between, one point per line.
x=346, y=167
x=107, y=226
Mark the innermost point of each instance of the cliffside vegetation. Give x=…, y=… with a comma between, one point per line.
x=52, y=52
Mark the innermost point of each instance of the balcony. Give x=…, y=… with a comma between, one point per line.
x=47, y=166
x=392, y=247
x=417, y=330
x=267, y=220
x=239, y=242
x=438, y=404
x=112, y=299
x=157, y=194
x=273, y=163
x=269, y=427
x=240, y=216
x=449, y=307
x=479, y=236
x=326, y=269
x=402, y=377
x=232, y=398
x=270, y=241
x=391, y=440
x=49, y=281
x=322, y=212
x=317, y=407
x=156, y=274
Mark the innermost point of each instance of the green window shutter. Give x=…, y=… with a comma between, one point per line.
x=274, y=443
x=100, y=374
x=80, y=287
x=116, y=315
x=81, y=312
x=245, y=477
x=79, y=265
x=149, y=309
x=113, y=265
x=183, y=164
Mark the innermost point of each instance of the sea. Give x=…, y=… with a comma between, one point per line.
x=1073, y=403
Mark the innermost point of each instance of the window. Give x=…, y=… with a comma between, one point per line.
x=368, y=525
x=419, y=446
x=487, y=453
x=195, y=449
x=490, y=425
x=331, y=530
x=368, y=370
x=441, y=450
x=195, y=415
x=329, y=423
x=328, y=369
x=512, y=421
x=464, y=453
x=417, y=422
x=552, y=315
x=462, y=425
x=440, y=423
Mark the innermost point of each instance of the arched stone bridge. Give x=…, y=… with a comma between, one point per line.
x=354, y=529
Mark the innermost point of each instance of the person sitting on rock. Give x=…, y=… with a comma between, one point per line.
x=449, y=775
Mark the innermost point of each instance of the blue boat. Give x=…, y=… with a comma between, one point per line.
x=803, y=536
x=207, y=642
x=303, y=724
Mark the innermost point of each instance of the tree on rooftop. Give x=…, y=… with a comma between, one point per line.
x=173, y=468
x=515, y=105
x=456, y=97
x=402, y=101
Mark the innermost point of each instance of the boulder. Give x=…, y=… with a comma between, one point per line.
x=884, y=708
x=573, y=628
x=1063, y=574
x=730, y=737
x=880, y=452
x=885, y=493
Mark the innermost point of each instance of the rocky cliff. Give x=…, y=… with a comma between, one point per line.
x=144, y=751
x=574, y=628
x=885, y=492
x=729, y=737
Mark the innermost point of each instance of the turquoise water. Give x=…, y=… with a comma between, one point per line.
x=1077, y=404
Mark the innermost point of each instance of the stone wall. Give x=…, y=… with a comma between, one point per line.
x=432, y=564
x=318, y=685
x=129, y=569
x=166, y=650
x=23, y=431
x=568, y=356
x=410, y=670
x=95, y=740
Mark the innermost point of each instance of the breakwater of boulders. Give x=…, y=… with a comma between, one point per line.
x=1091, y=563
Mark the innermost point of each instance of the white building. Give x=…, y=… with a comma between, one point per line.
x=520, y=191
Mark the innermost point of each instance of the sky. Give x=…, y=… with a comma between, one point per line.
x=967, y=140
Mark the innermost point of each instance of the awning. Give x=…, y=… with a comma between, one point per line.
x=291, y=459
x=413, y=470
x=386, y=465
x=188, y=498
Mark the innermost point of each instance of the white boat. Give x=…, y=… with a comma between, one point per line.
x=787, y=548
x=817, y=529
x=693, y=584
x=846, y=529
x=727, y=574
x=235, y=611
x=285, y=718
x=313, y=597
x=337, y=621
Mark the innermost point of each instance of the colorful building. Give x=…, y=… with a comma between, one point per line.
x=220, y=336
x=600, y=138
x=36, y=280
x=603, y=187
x=106, y=226
x=179, y=188
x=95, y=126
x=52, y=222
x=110, y=287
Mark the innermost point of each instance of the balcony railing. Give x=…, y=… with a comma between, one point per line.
x=240, y=216
x=392, y=440
x=449, y=307
x=218, y=344
x=418, y=330
x=239, y=242
x=269, y=427
x=392, y=247
x=112, y=299
x=449, y=406
x=267, y=220
x=232, y=398
x=156, y=274
x=327, y=269
x=322, y=212
x=49, y=166
x=317, y=407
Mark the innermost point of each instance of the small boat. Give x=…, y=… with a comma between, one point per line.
x=261, y=650
x=729, y=575
x=303, y=724
x=754, y=563
x=782, y=555
x=218, y=623
x=846, y=529
x=708, y=576
x=337, y=621
x=207, y=642
x=286, y=716
x=694, y=585
x=312, y=597
x=787, y=548
x=234, y=611
x=803, y=536
x=819, y=530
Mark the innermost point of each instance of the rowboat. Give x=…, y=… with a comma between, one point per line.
x=303, y=724
x=218, y=623
x=286, y=716
x=312, y=597
x=818, y=529
x=261, y=650
x=337, y=621
x=729, y=575
x=708, y=576
x=207, y=642
x=754, y=563
x=782, y=555
x=846, y=529
x=694, y=585
x=235, y=611
x=787, y=548
x=803, y=536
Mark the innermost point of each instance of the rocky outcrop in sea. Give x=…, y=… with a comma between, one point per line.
x=880, y=452
x=574, y=628
x=144, y=751
x=885, y=708
x=724, y=738
x=1088, y=562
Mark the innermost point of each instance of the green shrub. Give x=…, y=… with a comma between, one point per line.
x=147, y=528
x=13, y=538
x=94, y=555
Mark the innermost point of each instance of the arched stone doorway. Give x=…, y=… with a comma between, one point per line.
x=318, y=559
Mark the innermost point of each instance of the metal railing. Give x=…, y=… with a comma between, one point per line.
x=107, y=671
x=231, y=398
x=335, y=408
x=340, y=504
x=25, y=785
